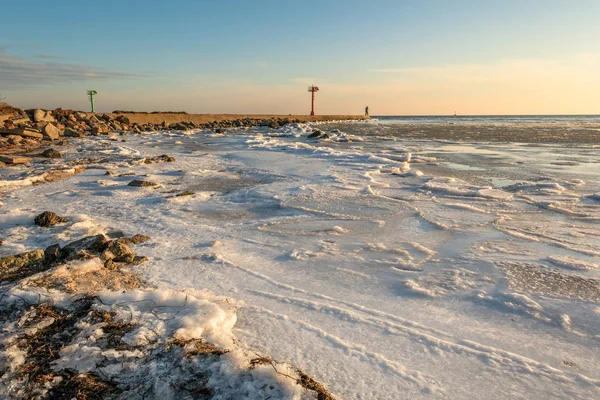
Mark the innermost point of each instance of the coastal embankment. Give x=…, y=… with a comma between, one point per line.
x=22, y=131
x=201, y=119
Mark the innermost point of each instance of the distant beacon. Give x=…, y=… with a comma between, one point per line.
x=313, y=90
x=92, y=93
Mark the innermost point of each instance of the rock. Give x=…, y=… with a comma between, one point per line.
x=51, y=153
x=136, y=239
x=20, y=260
x=116, y=234
x=140, y=183
x=93, y=119
x=274, y=125
x=182, y=194
x=43, y=116
x=14, y=139
x=38, y=115
x=73, y=133
x=20, y=119
x=31, y=133
x=315, y=134
x=52, y=253
x=109, y=264
x=118, y=252
x=139, y=260
x=24, y=132
x=219, y=130
x=95, y=244
x=178, y=127
x=122, y=119
x=4, y=117
x=98, y=129
x=139, y=238
x=163, y=158
x=51, y=132
x=48, y=218
x=12, y=267
x=14, y=159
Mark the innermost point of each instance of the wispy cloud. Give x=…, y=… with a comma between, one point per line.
x=51, y=57
x=17, y=72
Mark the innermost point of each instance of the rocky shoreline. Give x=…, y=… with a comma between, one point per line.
x=23, y=130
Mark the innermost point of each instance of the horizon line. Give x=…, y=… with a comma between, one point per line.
x=486, y=115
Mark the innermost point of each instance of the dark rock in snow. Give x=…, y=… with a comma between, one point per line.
x=163, y=158
x=48, y=218
x=51, y=153
x=140, y=183
x=318, y=135
x=95, y=244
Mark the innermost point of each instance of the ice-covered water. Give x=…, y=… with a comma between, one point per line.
x=385, y=266
x=488, y=119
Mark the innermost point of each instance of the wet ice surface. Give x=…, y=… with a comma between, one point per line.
x=385, y=267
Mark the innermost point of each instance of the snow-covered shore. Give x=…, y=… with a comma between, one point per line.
x=383, y=268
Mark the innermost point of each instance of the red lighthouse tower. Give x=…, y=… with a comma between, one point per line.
x=313, y=90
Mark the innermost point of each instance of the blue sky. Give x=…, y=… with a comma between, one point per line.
x=400, y=57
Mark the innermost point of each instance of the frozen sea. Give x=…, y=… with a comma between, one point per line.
x=393, y=260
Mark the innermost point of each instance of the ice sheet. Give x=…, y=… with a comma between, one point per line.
x=383, y=268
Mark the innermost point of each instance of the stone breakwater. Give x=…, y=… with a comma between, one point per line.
x=41, y=124
x=22, y=131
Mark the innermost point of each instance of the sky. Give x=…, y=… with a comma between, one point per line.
x=428, y=57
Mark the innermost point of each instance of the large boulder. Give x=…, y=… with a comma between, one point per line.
x=43, y=116
x=32, y=134
x=48, y=218
x=51, y=132
x=73, y=133
x=38, y=115
x=20, y=120
x=80, y=116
